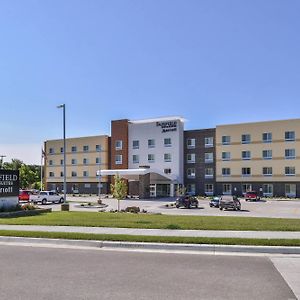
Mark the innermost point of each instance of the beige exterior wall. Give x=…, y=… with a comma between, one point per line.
x=91, y=166
x=256, y=147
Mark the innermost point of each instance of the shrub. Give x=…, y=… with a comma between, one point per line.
x=132, y=209
x=173, y=226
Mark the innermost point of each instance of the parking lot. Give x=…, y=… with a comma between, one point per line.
x=263, y=208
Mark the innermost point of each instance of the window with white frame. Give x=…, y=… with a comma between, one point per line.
x=209, y=189
x=208, y=157
x=226, y=172
x=50, y=162
x=246, y=187
x=74, y=174
x=51, y=150
x=191, y=188
x=167, y=157
x=61, y=174
x=151, y=158
x=191, y=158
x=267, y=137
x=118, y=159
x=191, y=173
x=290, y=153
x=74, y=161
x=267, y=189
x=290, y=190
x=87, y=185
x=209, y=173
x=85, y=161
x=135, y=159
x=289, y=135
x=98, y=160
x=85, y=148
x=119, y=145
x=246, y=138
x=98, y=148
x=135, y=144
x=61, y=162
x=246, y=155
x=226, y=140
x=208, y=142
x=151, y=143
x=167, y=171
x=191, y=143
x=51, y=174
x=290, y=171
x=85, y=174
x=61, y=149
x=267, y=171
x=227, y=189
x=267, y=154
x=225, y=155
x=167, y=142
x=73, y=149
x=246, y=171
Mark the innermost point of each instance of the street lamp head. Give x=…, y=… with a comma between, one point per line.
x=61, y=106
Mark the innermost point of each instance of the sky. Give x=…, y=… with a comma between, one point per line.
x=210, y=61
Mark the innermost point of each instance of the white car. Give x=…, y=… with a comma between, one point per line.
x=47, y=196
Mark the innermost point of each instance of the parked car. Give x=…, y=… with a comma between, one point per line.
x=214, y=202
x=187, y=202
x=252, y=196
x=47, y=196
x=230, y=202
x=24, y=195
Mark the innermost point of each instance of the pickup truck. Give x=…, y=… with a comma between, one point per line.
x=46, y=196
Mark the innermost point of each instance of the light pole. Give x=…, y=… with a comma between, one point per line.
x=63, y=106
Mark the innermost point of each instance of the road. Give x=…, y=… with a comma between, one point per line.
x=48, y=273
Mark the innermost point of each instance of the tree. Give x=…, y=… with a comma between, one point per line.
x=119, y=189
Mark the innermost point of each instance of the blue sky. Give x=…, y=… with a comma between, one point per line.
x=212, y=62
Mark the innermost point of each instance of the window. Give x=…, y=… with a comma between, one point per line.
x=50, y=162
x=225, y=140
x=267, y=154
x=290, y=171
x=135, y=159
x=61, y=174
x=74, y=149
x=246, y=171
x=268, y=189
x=290, y=153
x=85, y=161
x=191, y=173
x=151, y=143
x=246, y=187
x=85, y=148
x=191, y=189
x=167, y=157
x=118, y=159
x=225, y=155
x=227, y=189
x=51, y=174
x=246, y=138
x=267, y=171
x=74, y=161
x=61, y=150
x=98, y=160
x=191, y=143
x=51, y=150
x=85, y=174
x=191, y=158
x=98, y=148
x=246, y=155
x=167, y=142
x=118, y=145
x=167, y=171
x=135, y=144
x=87, y=185
x=226, y=172
x=209, y=189
x=209, y=173
x=289, y=135
x=267, y=137
x=290, y=190
x=151, y=158
x=61, y=162
x=208, y=142
x=74, y=174
x=208, y=157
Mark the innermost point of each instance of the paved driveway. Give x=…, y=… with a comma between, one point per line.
x=269, y=208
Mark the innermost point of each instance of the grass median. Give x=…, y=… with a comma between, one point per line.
x=149, y=221
x=153, y=239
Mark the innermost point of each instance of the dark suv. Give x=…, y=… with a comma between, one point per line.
x=230, y=202
x=187, y=202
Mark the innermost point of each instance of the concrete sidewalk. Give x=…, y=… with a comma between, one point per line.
x=159, y=232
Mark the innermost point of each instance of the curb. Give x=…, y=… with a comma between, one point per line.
x=211, y=249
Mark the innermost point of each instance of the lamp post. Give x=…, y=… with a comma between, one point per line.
x=63, y=106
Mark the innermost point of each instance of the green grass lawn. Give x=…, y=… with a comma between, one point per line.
x=125, y=220
x=153, y=239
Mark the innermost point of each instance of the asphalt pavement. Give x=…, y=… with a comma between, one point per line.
x=44, y=273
